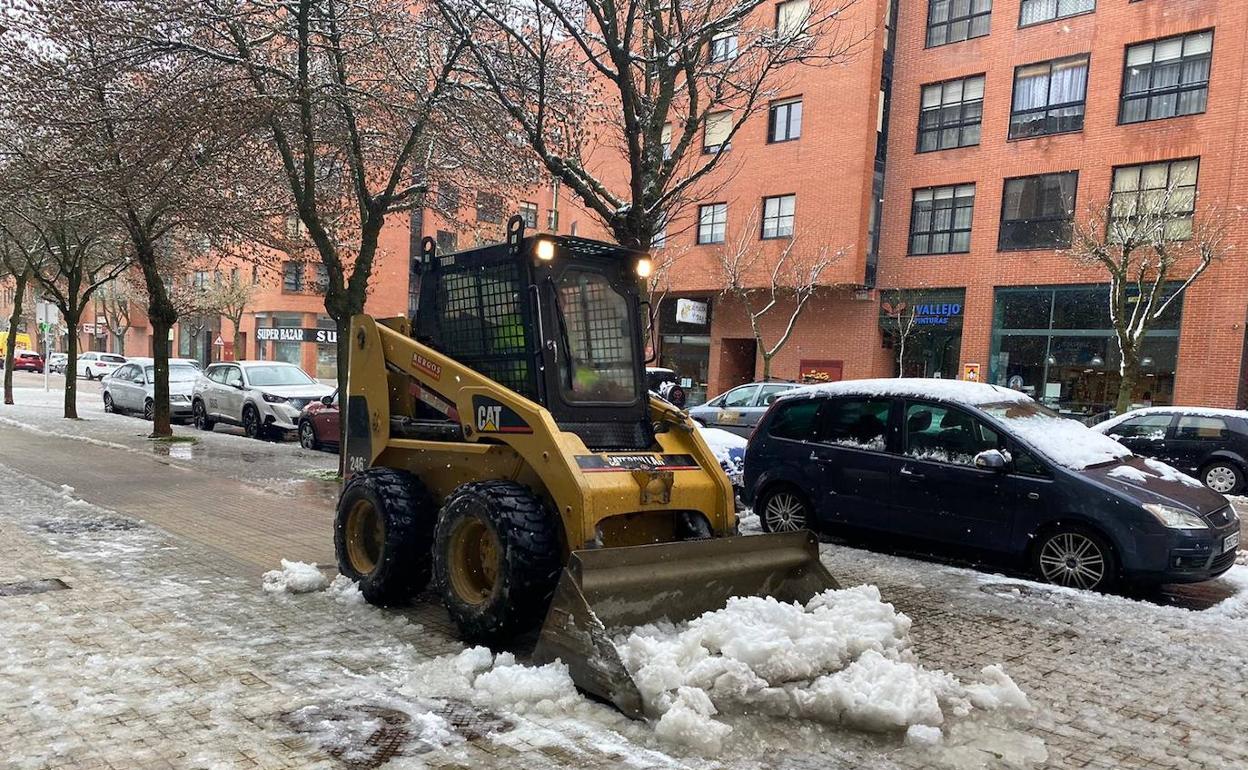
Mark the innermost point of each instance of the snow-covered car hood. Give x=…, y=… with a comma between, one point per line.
x=1151, y=481
x=310, y=391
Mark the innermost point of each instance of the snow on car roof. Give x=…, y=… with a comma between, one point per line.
x=960, y=391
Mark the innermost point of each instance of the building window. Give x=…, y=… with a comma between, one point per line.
x=712, y=219
x=940, y=219
x=1039, y=11
x=952, y=21
x=448, y=197
x=785, y=121
x=255, y=274
x=950, y=114
x=292, y=276
x=791, y=18
x=1036, y=211
x=1166, y=78
x=489, y=207
x=200, y=281
x=716, y=131
x=1165, y=189
x=528, y=211
x=659, y=239
x=724, y=47
x=1049, y=97
x=445, y=241
x=320, y=283
x=778, y=216
x=665, y=139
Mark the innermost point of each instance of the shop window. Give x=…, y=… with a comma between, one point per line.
x=489, y=207
x=778, y=216
x=1040, y=11
x=951, y=113
x=792, y=17
x=785, y=121
x=716, y=131
x=1037, y=211
x=1166, y=78
x=940, y=219
x=1165, y=189
x=528, y=212
x=292, y=276
x=952, y=21
x=1049, y=97
x=724, y=47
x=712, y=221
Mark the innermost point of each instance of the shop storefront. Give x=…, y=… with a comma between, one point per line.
x=282, y=337
x=685, y=329
x=924, y=330
x=1057, y=345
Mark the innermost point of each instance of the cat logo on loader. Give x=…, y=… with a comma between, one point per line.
x=521, y=465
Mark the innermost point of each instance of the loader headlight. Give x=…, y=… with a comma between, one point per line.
x=1175, y=518
x=545, y=250
x=644, y=267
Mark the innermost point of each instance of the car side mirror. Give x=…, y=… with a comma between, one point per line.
x=991, y=459
x=236, y=385
x=327, y=400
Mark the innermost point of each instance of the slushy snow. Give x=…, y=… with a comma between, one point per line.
x=295, y=577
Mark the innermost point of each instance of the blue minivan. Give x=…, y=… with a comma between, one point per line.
x=977, y=466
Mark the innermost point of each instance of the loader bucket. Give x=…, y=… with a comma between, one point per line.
x=604, y=592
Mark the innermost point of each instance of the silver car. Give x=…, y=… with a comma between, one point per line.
x=738, y=410
x=263, y=397
x=131, y=388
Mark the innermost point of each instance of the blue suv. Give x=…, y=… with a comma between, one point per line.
x=976, y=466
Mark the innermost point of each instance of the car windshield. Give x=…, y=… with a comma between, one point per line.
x=1065, y=442
x=278, y=375
x=177, y=373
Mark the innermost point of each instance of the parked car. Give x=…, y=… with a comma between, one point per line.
x=318, y=423
x=57, y=363
x=261, y=396
x=729, y=449
x=93, y=365
x=977, y=466
x=666, y=383
x=739, y=409
x=132, y=388
x=25, y=361
x=1211, y=444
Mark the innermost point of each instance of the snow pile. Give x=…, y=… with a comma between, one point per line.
x=842, y=658
x=295, y=577
x=1170, y=473
x=344, y=590
x=497, y=681
x=1129, y=473
x=1065, y=442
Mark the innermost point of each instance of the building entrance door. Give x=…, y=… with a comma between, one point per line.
x=736, y=362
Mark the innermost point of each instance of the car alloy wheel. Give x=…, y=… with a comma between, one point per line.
x=108, y=404
x=1221, y=478
x=149, y=410
x=784, y=512
x=251, y=422
x=1073, y=559
x=199, y=415
x=307, y=435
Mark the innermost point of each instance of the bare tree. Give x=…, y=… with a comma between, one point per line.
x=232, y=296
x=1152, y=245
x=117, y=300
x=14, y=265
x=901, y=323
x=592, y=84
x=772, y=286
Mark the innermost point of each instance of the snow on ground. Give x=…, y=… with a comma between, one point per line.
x=295, y=577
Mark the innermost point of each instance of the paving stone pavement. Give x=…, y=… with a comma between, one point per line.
x=165, y=653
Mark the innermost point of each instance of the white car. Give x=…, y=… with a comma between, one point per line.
x=132, y=388
x=93, y=365
x=261, y=396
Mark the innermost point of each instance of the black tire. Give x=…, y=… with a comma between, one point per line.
x=496, y=603
x=1074, y=556
x=252, y=426
x=307, y=436
x=199, y=416
x=109, y=406
x=1223, y=477
x=90, y=376
x=383, y=534
x=791, y=511
x=149, y=409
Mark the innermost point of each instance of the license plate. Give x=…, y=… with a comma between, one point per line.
x=1230, y=542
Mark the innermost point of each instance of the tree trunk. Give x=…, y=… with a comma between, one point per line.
x=160, y=387
x=1130, y=374
x=343, y=351
x=71, y=366
x=11, y=342
x=766, y=368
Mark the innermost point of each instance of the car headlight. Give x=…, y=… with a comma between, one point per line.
x=272, y=399
x=1175, y=518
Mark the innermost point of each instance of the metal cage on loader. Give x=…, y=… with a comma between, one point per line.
x=502, y=443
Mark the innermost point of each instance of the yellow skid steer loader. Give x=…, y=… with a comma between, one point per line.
x=502, y=443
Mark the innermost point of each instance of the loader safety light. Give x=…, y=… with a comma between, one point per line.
x=545, y=250
x=644, y=267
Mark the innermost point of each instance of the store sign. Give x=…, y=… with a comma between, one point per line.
x=970, y=372
x=689, y=311
x=940, y=308
x=296, y=334
x=815, y=370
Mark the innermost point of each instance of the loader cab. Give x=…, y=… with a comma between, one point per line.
x=554, y=318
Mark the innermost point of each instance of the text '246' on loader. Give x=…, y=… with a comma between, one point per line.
x=502, y=443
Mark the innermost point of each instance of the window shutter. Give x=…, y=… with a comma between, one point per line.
x=718, y=126
x=791, y=17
